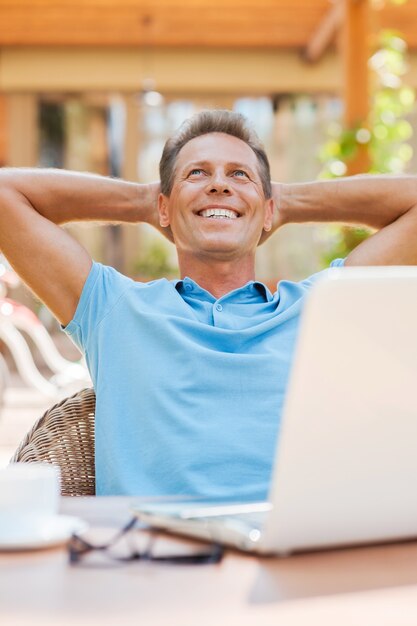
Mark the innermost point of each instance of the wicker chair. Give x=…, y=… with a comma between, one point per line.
x=64, y=436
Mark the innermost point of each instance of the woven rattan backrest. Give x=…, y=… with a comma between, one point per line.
x=64, y=436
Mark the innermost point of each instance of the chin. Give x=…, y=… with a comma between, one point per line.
x=222, y=252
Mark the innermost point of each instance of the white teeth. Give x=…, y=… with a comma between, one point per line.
x=218, y=213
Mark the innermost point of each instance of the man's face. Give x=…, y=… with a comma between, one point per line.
x=217, y=206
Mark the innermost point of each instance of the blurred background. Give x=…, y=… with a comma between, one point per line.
x=98, y=85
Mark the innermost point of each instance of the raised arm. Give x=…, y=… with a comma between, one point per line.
x=386, y=203
x=32, y=205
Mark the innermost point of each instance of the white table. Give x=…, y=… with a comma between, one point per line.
x=366, y=586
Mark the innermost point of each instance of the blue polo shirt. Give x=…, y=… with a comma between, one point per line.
x=189, y=388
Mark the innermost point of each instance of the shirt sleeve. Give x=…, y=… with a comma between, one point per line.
x=307, y=283
x=102, y=290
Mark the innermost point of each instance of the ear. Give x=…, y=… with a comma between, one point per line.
x=269, y=215
x=163, y=210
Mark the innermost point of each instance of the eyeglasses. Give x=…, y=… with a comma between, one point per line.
x=118, y=551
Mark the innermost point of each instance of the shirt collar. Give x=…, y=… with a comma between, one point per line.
x=255, y=286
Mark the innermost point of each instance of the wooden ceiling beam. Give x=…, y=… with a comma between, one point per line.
x=261, y=24
x=324, y=34
x=193, y=23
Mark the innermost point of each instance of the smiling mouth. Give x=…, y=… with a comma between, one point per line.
x=219, y=214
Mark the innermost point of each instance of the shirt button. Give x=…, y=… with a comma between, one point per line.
x=219, y=307
x=188, y=287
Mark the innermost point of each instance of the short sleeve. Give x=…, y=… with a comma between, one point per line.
x=101, y=292
x=307, y=283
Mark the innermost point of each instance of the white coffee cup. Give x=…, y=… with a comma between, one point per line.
x=29, y=490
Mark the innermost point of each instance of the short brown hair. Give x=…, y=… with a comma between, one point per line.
x=217, y=121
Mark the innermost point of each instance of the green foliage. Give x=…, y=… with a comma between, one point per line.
x=155, y=262
x=385, y=132
x=341, y=240
x=391, y=102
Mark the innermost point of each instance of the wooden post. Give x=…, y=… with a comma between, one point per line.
x=4, y=135
x=356, y=53
x=132, y=234
x=23, y=150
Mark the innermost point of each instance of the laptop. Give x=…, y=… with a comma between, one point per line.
x=345, y=470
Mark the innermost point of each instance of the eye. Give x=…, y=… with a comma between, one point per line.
x=240, y=174
x=196, y=171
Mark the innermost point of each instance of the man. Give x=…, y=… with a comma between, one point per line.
x=190, y=375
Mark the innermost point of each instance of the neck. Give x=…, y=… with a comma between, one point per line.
x=218, y=277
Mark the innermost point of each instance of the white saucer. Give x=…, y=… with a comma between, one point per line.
x=35, y=532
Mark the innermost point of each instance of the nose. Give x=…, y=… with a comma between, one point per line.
x=218, y=184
